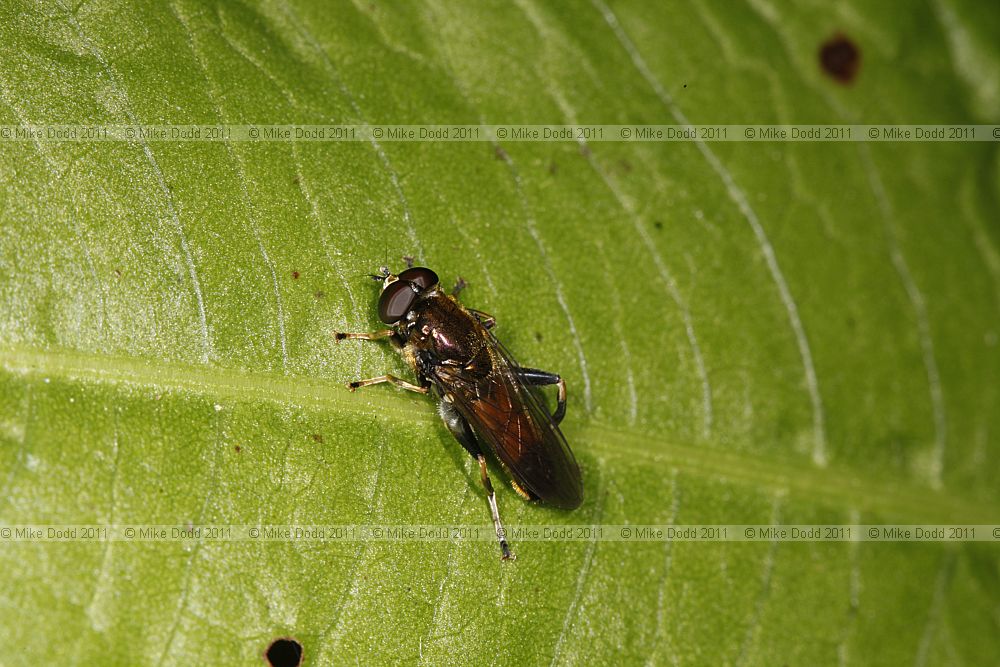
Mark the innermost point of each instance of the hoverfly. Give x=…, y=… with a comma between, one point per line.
x=487, y=400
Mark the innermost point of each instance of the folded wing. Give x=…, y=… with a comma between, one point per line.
x=512, y=420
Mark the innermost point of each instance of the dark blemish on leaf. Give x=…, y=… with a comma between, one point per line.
x=500, y=154
x=118, y=273
x=295, y=275
x=584, y=150
x=317, y=437
x=284, y=652
x=658, y=225
x=840, y=58
x=320, y=294
x=553, y=168
x=238, y=449
x=296, y=179
x=685, y=85
x=538, y=337
x=625, y=165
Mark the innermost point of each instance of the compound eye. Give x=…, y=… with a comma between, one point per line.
x=419, y=276
x=395, y=301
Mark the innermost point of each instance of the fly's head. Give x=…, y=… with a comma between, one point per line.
x=400, y=292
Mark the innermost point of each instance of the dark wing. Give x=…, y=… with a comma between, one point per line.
x=515, y=423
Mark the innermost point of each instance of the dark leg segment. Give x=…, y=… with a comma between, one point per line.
x=459, y=428
x=538, y=378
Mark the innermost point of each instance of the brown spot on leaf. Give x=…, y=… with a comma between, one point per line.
x=840, y=58
x=499, y=153
x=295, y=275
x=317, y=437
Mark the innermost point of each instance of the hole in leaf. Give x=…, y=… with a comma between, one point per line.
x=840, y=58
x=284, y=652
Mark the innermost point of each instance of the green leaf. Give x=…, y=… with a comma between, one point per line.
x=751, y=332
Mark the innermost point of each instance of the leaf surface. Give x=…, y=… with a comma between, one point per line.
x=751, y=332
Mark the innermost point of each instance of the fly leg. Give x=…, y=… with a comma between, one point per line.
x=377, y=335
x=391, y=379
x=492, y=498
x=538, y=378
x=487, y=320
x=459, y=428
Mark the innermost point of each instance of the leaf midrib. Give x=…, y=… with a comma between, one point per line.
x=839, y=486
